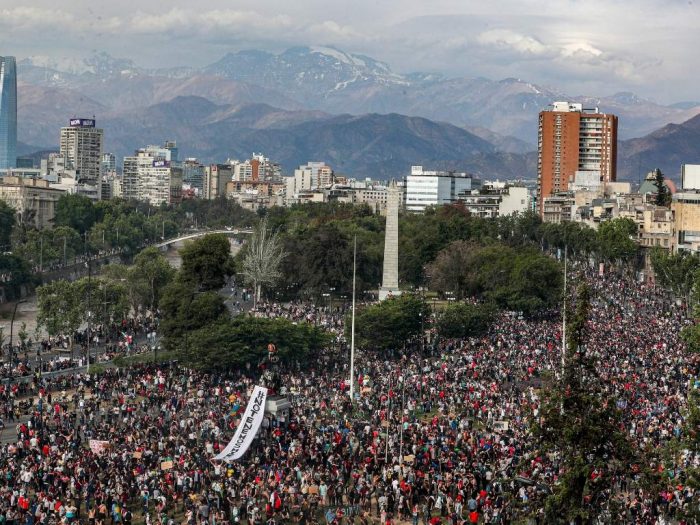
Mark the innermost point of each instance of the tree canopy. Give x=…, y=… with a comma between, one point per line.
x=207, y=261
x=677, y=272
x=231, y=343
x=75, y=211
x=390, y=324
x=514, y=279
x=616, y=240
x=462, y=320
x=7, y=222
x=185, y=309
x=150, y=273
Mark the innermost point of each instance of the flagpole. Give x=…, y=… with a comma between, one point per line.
x=352, y=326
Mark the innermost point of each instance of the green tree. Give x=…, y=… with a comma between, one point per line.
x=101, y=300
x=519, y=279
x=691, y=440
x=75, y=211
x=150, y=273
x=580, y=427
x=535, y=284
x=14, y=275
x=450, y=271
x=232, y=343
x=390, y=324
x=23, y=335
x=663, y=194
x=185, y=309
x=207, y=261
x=616, y=244
x=65, y=238
x=123, y=275
x=61, y=308
x=676, y=272
x=461, y=320
x=7, y=223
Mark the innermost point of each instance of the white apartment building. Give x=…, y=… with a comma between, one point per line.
x=311, y=176
x=497, y=202
x=149, y=176
x=435, y=188
x=81, y=148
x=258, y=168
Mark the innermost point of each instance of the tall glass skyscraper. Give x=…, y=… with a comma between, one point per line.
x=8, y=112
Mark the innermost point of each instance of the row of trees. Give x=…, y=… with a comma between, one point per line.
x=197, y=326
x=396, y=322
x=106, y=297
x=318, y=239
x=517, y=279
x=84, y=227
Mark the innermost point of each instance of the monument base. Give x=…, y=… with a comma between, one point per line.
x=388, y=292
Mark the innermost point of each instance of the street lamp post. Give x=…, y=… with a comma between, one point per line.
x=89, y=313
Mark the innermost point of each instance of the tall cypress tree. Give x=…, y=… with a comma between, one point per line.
x=579, y=425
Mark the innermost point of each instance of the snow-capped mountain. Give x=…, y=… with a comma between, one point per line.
x=503, y=113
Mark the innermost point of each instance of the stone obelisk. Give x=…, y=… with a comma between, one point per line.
x=390, y=278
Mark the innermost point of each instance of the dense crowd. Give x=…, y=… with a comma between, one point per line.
x=61, y=352
x=440, y=434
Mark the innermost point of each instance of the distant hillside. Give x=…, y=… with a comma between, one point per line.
x=337, y=82
x=367, y=145
x=667, y=148
x=371, y=145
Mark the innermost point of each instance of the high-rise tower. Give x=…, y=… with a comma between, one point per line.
x=81, y=148
x=8, y=112
x=574, y=139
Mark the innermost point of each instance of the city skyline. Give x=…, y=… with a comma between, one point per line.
x=595, y=48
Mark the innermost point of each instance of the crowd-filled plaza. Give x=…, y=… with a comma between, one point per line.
x=440, y=431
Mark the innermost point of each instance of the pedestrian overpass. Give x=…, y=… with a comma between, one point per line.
x=232, y=232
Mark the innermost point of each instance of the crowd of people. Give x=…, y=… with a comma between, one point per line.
x=62, y=352
x=440, y=433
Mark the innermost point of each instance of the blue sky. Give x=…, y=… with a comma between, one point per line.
x=590, y=47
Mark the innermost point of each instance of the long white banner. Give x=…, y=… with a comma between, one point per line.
x=248, y=427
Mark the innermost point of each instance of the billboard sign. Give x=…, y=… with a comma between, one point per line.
x=82, y=123
x=161, y=163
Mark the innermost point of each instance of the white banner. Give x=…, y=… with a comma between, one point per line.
x=252, y=418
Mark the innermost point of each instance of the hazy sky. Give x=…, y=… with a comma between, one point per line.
x=592, y=47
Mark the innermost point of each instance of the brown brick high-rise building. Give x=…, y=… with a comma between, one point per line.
x=573, y=139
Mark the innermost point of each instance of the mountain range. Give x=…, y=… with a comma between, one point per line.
x=667, y=148
x=322, y=103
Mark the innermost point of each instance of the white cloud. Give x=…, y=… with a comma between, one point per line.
x=566, y=43
x=512, y=40
x=34, y=17
x=179, y=20
x=332, y=29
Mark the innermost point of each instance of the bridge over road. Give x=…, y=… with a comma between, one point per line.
x=233, y=232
